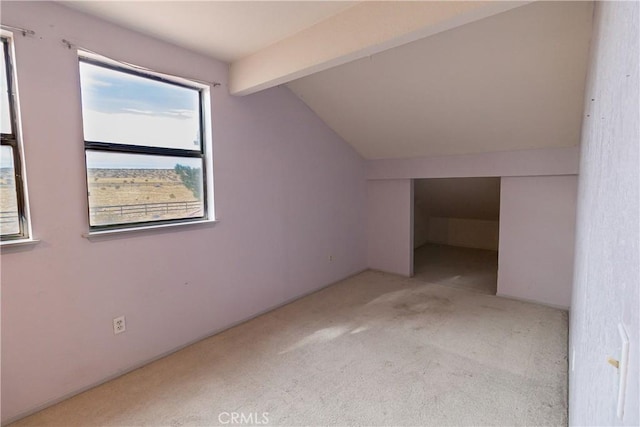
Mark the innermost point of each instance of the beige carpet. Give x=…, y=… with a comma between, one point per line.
x=376, y=349
x=466, y=268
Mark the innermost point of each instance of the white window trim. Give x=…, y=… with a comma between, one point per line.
x=29, y=238
x=6, y=244
x=207, y=145
x=103, y=234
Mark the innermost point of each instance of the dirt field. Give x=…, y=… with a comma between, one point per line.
x=117, y=196
x=8, y=203
x=133, y=195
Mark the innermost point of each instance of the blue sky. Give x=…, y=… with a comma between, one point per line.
x=111, y=91
x=128, y=109
x=5, y=118
x=6, y=160
x=102, y=160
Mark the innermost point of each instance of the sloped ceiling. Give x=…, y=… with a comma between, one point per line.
x=471, y=77
x=508, y=82
x=225, y=30
x=471, y=198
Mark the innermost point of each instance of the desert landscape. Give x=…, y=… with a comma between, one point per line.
x=8, y=203
x=118, y=196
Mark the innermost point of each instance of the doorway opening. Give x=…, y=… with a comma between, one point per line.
x=455, y=232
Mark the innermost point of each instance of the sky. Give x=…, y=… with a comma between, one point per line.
x=127, y=109
x=5, y=118
x=6, y=157
x=103, y=160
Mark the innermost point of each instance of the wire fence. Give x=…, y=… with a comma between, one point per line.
x=146, y=208
x=8, y=217
x=11, y=217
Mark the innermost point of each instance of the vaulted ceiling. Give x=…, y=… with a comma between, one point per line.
x=225, y=30
x=397, y=79
x=470, y=198
x=508, y=82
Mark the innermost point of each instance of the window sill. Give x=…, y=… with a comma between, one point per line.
x=6, y=244
x=106, y=234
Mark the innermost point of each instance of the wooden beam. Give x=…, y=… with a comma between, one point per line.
x=357, y=32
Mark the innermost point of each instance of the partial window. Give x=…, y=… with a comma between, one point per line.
x=144, y=147
x=13, y=212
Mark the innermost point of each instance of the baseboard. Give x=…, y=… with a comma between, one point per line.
x=172, y=351
x=395, y=273
x=559, y=307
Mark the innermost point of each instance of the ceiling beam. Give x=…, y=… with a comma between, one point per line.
x=362, y=30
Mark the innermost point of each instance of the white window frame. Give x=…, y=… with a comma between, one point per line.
x=207, y=148
x=25, y=235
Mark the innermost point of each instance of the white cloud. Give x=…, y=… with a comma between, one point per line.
x=142, y=129
x=92, y=81
x=136, y=111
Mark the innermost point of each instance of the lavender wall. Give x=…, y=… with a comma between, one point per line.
x=537, y=233
x=389, y=222
x=289, y=193
x=607, y=281
x=545, y=161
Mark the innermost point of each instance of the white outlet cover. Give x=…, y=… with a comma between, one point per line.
x=119, y=325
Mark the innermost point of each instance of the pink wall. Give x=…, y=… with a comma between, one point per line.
x=289, y=193
x=390, y=235
x=537, y=233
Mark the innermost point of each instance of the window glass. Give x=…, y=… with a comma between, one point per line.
x=14, y=219
x=5, y=115
x=9, y=218
x=143, y=144
x=124, y=108
x=127, y=188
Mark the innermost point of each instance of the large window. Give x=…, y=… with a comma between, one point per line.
x=13, y=212
x=144, y=147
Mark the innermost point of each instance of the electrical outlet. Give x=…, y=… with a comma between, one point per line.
x=330, y=258
x=119, y=325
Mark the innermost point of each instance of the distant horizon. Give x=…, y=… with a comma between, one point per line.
x=10, y=168
x=111, y=160
x=115, y=168
x=132, y=168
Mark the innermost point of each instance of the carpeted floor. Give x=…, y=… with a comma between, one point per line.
x=466, y=268
x=375, y=349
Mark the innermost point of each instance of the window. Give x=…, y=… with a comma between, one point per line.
x=13, y=212
x=144, y=147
